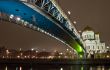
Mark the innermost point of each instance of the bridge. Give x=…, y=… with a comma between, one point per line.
x=44, y=16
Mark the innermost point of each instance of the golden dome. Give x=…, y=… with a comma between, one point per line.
x=87, y=28
x=97, y=33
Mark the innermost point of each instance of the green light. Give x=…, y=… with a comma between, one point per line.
x=82, y=68
x=77, y=47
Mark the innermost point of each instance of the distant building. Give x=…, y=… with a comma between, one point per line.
x=92, y=42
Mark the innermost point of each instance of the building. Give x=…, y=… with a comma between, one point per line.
x=92, y=42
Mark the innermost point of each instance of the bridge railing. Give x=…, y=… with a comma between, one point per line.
x=52, y=9
x=17, y=20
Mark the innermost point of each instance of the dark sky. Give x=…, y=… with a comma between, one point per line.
x=95, y=13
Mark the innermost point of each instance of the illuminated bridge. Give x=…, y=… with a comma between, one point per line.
x=44, y=16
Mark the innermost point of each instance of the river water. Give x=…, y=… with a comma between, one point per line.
x=53, y=67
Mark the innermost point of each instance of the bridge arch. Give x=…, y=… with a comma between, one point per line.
x=35, y=18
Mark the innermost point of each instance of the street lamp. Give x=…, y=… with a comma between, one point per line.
x=69, y=12
x=74, y=22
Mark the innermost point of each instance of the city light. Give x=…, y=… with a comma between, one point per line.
x=108, y=56
x=32, y=49
x=36, y=51
x=18, y=56
x=61, y=53
x=107, y=47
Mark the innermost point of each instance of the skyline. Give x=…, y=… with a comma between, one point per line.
x=94, y=13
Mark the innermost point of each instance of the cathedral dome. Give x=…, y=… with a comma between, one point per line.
x=87, y=28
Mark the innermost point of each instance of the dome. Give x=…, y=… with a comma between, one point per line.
x=87, y=28
x=97, y=33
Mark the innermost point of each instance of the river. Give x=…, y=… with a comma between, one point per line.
x=53, y=67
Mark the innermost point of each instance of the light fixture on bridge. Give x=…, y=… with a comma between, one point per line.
x=25, y=23
x=42, y=31
x=30, y=25
x=22, y=22
x=38, y=28
x=11, y=16
x=47, y=33
x=18, y=18
x=34, y=27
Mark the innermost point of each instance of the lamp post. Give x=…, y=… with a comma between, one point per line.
x=69, y=12
x=74, y=22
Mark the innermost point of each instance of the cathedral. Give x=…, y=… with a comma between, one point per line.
x=92, y=43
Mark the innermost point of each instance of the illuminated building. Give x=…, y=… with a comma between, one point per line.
x=92, y=42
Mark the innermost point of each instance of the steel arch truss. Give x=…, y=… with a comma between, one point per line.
x=50, y=8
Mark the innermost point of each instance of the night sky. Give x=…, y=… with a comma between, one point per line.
x=95, y=13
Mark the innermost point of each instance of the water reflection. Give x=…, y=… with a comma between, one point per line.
x=82, y=68
x=16, y=68
x=53, y=67
x=6, y=68
x=61, y=68
x=20, y=68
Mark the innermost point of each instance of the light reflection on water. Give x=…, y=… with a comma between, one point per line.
x=61, y=68
x=6, y=68
x=20, y=68
x=16, y=68
x=53, y=67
